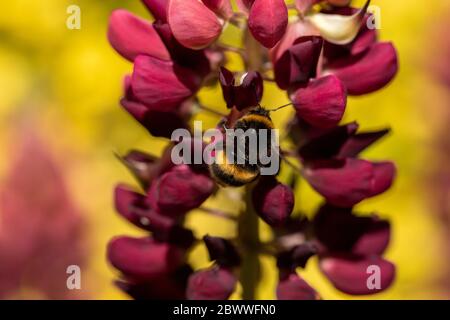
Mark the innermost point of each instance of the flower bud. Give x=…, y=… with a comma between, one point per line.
x=132, y=36
x=215, y=283
x=267, y=21
x=346, y=182
x=321, y=102
x=273, y=201
x=222, y=251
x=162, y=85
x=180, y=190
x=293, y=287
x=298, y=64
x=358, y=275
x=193, y=24
x=246, y=93
x=144, y=258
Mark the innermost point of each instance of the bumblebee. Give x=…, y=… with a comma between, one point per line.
x=232, y=173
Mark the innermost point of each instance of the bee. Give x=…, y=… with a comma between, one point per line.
x=231, y=173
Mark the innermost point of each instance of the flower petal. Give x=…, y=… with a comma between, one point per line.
x=132, y=206
x=220, y=7
x=325, y=144
x=244, y=5
x=158, y=123
x=339, y=29
x=196, y=60
x=211, y=284
x=343, y=183
x=294, y=31
x=322, y=102
x=352, y=274
x=273, y=201
x=384, y=174
x=298, y=64
x=339, y=230
x=303, y=6
x=222, y=251
x=167, y=287
x=293, y=287
x=369, y=72
x=181, y=189
x=267, y=21
x=247, y=93
x=298, y=256
x=193, y=24
x=132, y=36
x=162, y=85
x=144, y=258
x=158, y=9
x=359, y=142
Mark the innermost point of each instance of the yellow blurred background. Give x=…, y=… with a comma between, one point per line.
x=66, y=84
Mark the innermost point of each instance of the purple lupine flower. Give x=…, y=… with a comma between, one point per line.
x=180, y=53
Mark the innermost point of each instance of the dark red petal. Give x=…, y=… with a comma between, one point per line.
x=352, y=274
x=298, y=64
x=322, y=102
x=343, y=183
x=158, y=123
x=196, y=60
x=162, y=85
x=134, y=208
x=132, y=36
x=368, y=72
x=182, y=189
x=126, y=200
x=211, y=284
x=273, y=201
x=250, y=92
x=144, y=258
x=226, y=79
x=297, y=256
x=142, y=165
x=158, y=8
x=325, y=144
x=359, y=142
x=293, y=287
x=339, y=230
x=375, y=238
x=222, y=251
x=267, y=21
x=193, y=24
x=384, y=174
x=168, y=287
x=242, y=95
x=294, y=31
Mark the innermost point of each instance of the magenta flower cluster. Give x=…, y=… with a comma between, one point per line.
x=182, y=52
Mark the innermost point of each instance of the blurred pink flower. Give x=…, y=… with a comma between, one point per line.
x=41, y=229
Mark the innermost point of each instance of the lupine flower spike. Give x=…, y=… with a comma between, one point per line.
x=318, y=52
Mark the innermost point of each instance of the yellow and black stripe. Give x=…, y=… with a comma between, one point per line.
x=231, y=174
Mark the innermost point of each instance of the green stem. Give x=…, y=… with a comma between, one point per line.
x=248, y=236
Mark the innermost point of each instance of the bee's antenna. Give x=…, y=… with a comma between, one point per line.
x=283, y=106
